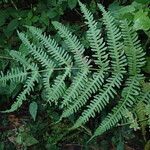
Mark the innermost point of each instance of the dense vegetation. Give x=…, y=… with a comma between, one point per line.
x=74, y=74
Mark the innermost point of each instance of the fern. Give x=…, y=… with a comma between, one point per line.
x=118, y=64
x=52, y=47
x=73, y=44
x=28, y=87
x=58, y=88
x=135, y=55
x=91, y=87
x=141, y=107
x=29, y=84
x=26, y=63
x=68, y=79
x=98, y=46
x=14, y=75
x=54, y=92
x=78, y=49
x=38, y=53
x=97, y=43
x=117, y=113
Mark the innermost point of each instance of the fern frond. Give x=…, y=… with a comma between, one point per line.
x=28, y=87
x=58, y=88
x=46, y=81
x=116, y=115
x=44, y=59
x=131, y=118
x=135, y=57
x=145, y=94
x=74, y=90
x=38, y=53
x=19, y=57
x=118, y=64
x=57, y=52
x=100, y=100
x=115, y=47
x=129, y=93
x=97, y=43
x=144, y=97
x=78, y=49
x=92, y=86
x=147, y=99
x=140, y=111
x=64, y=54
x=73, y=44
x=14, y=75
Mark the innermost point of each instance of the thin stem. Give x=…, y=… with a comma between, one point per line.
x=15, y=6
x=3, y=57
x=87, y=131
x=59, y=69
x=78, y=12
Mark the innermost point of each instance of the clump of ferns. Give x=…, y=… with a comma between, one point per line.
x=119, y=59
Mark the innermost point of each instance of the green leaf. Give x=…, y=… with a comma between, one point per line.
x=120, y=12
x=72, y=3
x=30, y=140
x=51, y=14
x=33, y=110
x=11, y=27
x=35, y=19
x=141, y=21
x=19, y=139
x=44, y=18
x=30, y=15
x=23, y=138
x=23, y=49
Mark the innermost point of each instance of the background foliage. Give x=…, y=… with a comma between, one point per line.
x=33, y=125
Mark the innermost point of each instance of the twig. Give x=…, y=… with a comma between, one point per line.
x=3, y=57
x=15, y=6
x=87, y=130
x=78, y=12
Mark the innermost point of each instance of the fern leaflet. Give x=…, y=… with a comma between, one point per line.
x=28, y=87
